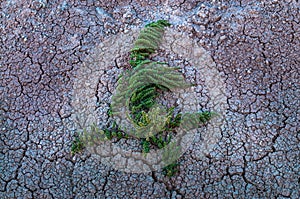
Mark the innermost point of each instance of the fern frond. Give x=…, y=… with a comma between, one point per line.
x=145, y=44
x=156, y=31
x=158, y=74
x=159, y=22
x=205, y=116
x=147, y=41
x=148, y=35
x=164, y=81
x=144, y=94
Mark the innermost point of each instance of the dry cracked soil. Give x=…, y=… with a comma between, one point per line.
x=254, y=46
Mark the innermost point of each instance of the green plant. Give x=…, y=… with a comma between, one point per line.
x=77, y=146
x=159, y=141
x=155, y=140
x=150, y=79
x=111, y=133
x=147, y=42
x=171, y=169
x=137, y=90
x=146, y=146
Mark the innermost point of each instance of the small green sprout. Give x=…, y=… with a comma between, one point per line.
x=77, y=146
x=171, y=169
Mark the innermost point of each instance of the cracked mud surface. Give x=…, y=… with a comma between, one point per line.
x=255, y=46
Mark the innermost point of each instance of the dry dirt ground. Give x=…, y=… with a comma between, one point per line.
x=255, y=47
